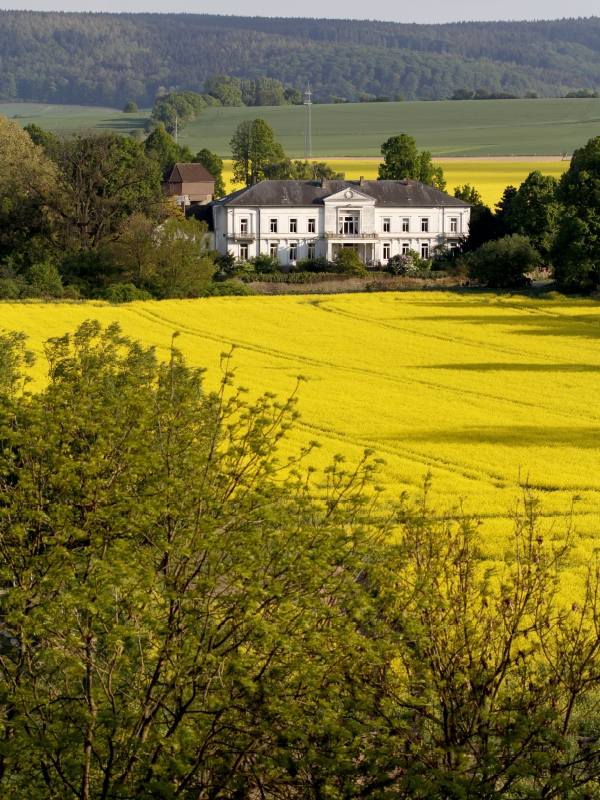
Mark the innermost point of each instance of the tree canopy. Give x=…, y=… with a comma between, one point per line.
x=402, y=159
x=187, y=613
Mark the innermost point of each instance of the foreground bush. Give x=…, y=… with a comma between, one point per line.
x=503, y=263
x=186, y=616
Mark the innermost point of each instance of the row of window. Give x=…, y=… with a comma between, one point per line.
x=312, y=249
x=349, y=224
x=406, y=248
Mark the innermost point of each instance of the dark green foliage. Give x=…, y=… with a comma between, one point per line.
x=130, y=108
x=161, y=146
x=183, y=608
x=462, y=94
x=576, y=251
x=214, y=165
x=49, y=141
x=313, y=264
x=181, y=106
x=76, y=58
x=535, y=211
x=347, y=262
x=228, y=289
x=403, y=160
x=124, y=293
x=224, y=89
x=583, y=94
x=266, y=264
x=503, y=263
x=255, y=152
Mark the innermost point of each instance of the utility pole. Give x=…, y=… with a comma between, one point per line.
x=308, y=123
x=175, y=128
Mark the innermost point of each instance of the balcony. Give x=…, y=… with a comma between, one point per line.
x=349, y=236
x=243, y=237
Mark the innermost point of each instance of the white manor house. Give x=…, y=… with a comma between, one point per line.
x=300, y=219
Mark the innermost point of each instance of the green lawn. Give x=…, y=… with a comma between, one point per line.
x=471, y=128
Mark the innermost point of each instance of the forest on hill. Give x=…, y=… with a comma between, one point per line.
x=108, y=59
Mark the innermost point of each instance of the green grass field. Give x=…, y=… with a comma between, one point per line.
x=507, y=127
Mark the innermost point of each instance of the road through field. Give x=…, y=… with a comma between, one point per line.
x=478, y=389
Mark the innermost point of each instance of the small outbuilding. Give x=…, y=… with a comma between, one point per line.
x=191, y=184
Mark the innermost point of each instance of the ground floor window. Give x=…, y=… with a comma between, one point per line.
x=425, y=250
x=273, y=249
x=243, y=252
x=405, y=248
x=387, y=251
x=293, y=251
x=312, y=249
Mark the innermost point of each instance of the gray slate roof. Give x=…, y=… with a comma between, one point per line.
x=306, y=193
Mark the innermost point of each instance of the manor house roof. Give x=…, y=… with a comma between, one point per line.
x=306, y=193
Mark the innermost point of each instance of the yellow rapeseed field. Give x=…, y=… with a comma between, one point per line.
x=490, y=178
x=475, y=388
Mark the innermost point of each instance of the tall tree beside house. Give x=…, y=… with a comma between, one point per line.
x=402, y=159
x=576, y=250
x=214, y=165
x=161, y=146
x=104, y=179
x=535, y=211
x=253, y=148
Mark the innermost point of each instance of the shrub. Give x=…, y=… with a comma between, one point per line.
x=312, y=264
x=130, y=108
x=124, y=293
x=45, y=279
x=504, y=262
x=228, y=289
x=347, y=262
x=265, y=263
x=9, y=289
x=407, y=264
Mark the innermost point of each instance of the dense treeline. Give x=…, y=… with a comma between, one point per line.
x=187, y=615
x=109, y=59
x=87, y=216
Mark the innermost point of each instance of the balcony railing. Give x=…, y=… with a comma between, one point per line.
x=244, y=237
x=333, y=235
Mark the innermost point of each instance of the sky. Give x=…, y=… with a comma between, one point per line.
x=431, y=11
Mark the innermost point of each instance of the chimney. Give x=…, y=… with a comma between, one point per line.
x=433, y=183
x=408, y=181
x=254, y=180
x=361, y=180
x=323, y=183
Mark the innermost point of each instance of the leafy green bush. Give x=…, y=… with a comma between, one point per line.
x=320, y=264
x=407, y=264
x=228, y=289
x=130, y=108
x=124, y=293
x=9, y=289
x=347, y=262
x=266, y=264
x=503, y=263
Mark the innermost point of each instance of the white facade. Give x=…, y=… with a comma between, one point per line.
x=351, y=216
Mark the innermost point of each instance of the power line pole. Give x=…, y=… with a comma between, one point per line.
x=308, y=123
x=176, y=129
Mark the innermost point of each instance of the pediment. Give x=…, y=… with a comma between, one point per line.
x=350, y=197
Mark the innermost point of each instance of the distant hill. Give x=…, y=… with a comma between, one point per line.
x=107, y=59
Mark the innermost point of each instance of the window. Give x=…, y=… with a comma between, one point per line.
x=405, y=225
x=243, y=226
x=405, y=248
x=293, y=226
x=293, y=251
x=349, y=224
x=273, y=249
x=424, y=225
x=243, y=252
x=312, y=250
x=312, y=225
x=273, y=226
x=387, y=251
x=386, y=225
x=453, y=225
x=425, y=250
